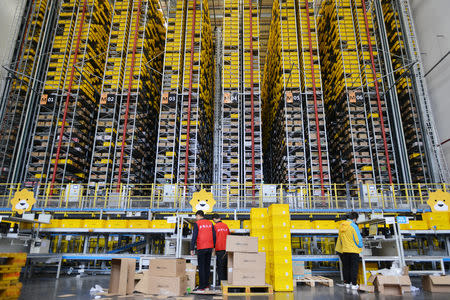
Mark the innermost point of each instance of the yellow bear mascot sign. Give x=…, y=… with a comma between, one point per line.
x=202, y=200
x=22, y=201
x=439, y=201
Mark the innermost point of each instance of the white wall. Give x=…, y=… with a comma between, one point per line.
x=433, y=31
x=10, y=13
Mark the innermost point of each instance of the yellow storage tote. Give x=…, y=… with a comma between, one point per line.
x=279, y=210
x=301, y=224
x=162, y=224
x=246, y=224
x=283, y=283
x=415, y=225
x=258, y=213
x=71, y=223
x=93, y=223
x=324, y=224
x=116, y=224
x=233, y=224
x=139, y=224
x=437, y=220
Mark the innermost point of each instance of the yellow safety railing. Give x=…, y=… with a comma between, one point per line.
x=230, y=196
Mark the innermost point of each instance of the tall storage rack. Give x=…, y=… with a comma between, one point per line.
x=295, y=128
x=62, y=139
x=130, y=95
x=197, y=101
x=185, y=133
x=29, y=53
x=407, y=98
x=360, y=139
x=168, y=129
x=318, y=169
x=230, y=160
x=251, y=142
x=241, y=139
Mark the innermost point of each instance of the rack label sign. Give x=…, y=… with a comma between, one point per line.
x=402, y=220
x=355, y=96
x=168, y=98
x=292, y=97
x=107, y=98
x=47, y=99
x=234, y=97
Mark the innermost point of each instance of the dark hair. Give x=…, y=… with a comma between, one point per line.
x=200, y=213
x=216, y=216
x=353, y=215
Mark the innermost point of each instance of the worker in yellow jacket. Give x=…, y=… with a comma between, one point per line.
x=349, y=244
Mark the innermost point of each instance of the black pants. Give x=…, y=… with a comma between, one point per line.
x=350, y=264
x=221, y=266
x=204, y=267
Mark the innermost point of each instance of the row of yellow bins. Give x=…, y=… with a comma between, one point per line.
x=430, y=220
x=10, y=266
x=122, y=224
x=272, y=227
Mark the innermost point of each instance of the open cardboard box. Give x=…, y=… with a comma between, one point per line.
x=122, y=276
x=391, y=285
x=436, y=284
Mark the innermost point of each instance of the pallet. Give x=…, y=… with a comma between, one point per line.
x=312, y=280
x=240, y=290
x=207, y=292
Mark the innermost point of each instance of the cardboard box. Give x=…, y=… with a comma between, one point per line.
x=367, y=288
x=167, y=267
x=391, y=285
x=246, y=268
x=141, y=281
x=166, y=286
x=436, y=284
x=191, y=273
x=236, y=243
x=246, y=277
x=122, y=276
x=298, y=268
x=247, y=261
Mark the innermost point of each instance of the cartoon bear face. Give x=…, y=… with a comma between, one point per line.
x=202, y=200
x=439, y=201
x=23, y=201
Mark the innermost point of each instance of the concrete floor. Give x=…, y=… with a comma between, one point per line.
x=71, y=288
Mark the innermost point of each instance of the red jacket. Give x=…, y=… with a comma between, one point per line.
x=222, y=231
x=204, y=234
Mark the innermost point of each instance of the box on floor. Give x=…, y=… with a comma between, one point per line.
x=436, y=284
x=167, y=267
x=161, y=285
x=391, y=285
x=122, y=276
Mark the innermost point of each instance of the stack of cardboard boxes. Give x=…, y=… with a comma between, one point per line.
x=166, y=277
x=246, y=266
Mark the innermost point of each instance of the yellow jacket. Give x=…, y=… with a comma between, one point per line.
x=349, y=239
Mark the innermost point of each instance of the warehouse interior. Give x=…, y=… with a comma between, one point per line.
x=121, y=119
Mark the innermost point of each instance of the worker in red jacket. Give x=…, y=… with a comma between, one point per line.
x=222, y=231
x=204, y=236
